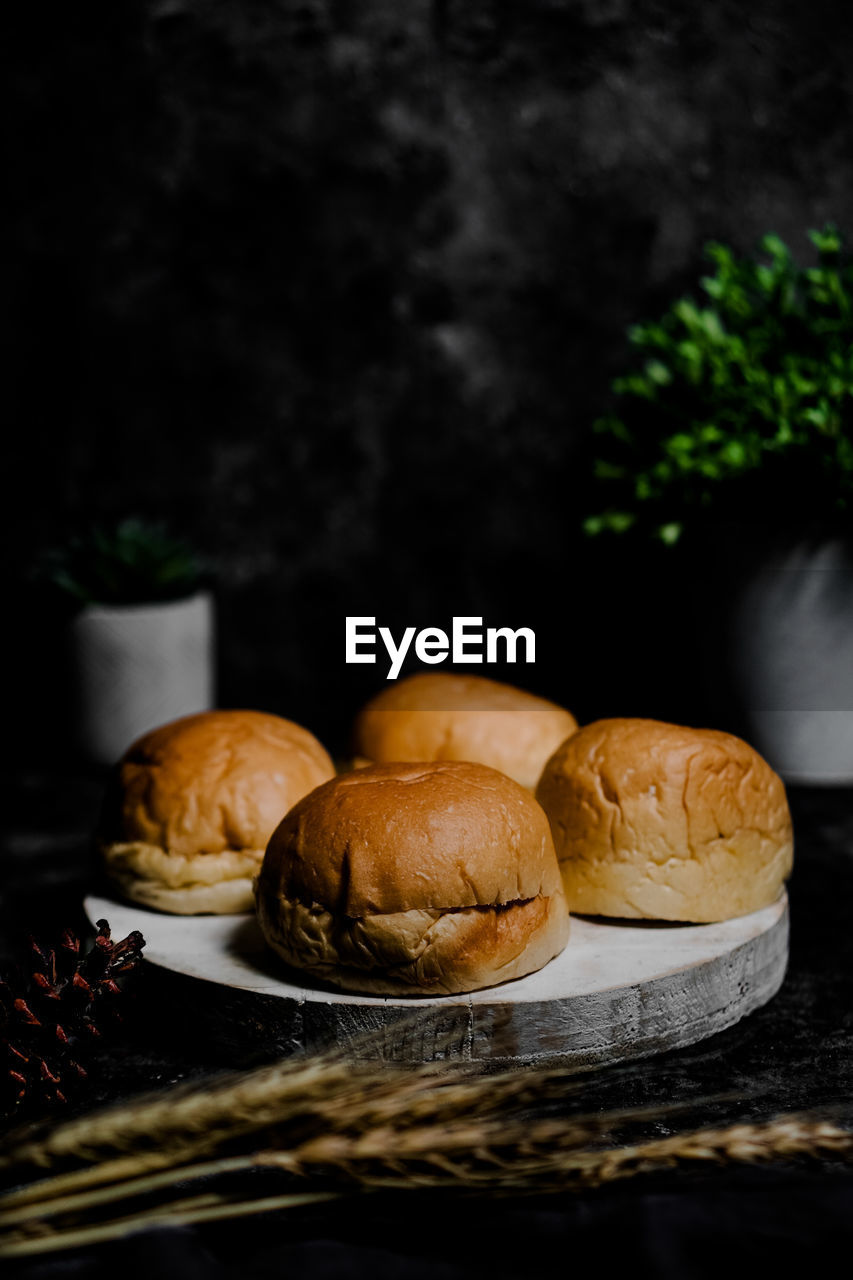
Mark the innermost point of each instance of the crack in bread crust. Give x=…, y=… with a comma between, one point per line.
x=421, y=951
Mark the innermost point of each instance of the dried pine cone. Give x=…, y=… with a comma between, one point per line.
x=51, y=1014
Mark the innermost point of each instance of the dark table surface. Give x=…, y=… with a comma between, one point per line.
x=796, y=1054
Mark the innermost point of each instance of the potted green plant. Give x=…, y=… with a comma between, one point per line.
x=140, y=631
x=734, y=430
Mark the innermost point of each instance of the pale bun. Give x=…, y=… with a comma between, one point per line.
x=441, y=716
x=663, y=822
x=414, y=879
x=192, y=804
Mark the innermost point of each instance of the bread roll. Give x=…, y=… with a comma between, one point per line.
x=191, y=805
x=414, y=879
x=662, y=822
x=439, y=716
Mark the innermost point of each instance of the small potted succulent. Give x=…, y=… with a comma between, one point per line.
x=140, y=629
x=733, y=432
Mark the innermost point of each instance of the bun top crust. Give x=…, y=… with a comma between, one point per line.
x=687, y=786
x=441, y=716
x=403, y=837
x=657, y=819
x=213, y=781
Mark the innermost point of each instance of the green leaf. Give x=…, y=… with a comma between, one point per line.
x=713, y=286
x=659, y=373
x=608, y=522
x=734, y=454
x=681, y=443
x=670, y=533
x=778, y=250
x=828, y=241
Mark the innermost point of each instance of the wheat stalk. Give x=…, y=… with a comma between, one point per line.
x=181, y=1213
x=539, y=1159
x=125, y=1180
x=462, y=1156
x=356, y=1128
x=367, y=1104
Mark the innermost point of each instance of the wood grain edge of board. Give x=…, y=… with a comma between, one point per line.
x=617, y=1024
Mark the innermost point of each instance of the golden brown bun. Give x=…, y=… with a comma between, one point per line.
x=438, y=716
x=654, y=820
x=191, y=805
x=414, y=879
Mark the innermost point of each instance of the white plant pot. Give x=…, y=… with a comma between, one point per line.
x=137, y=666
x=792, y=660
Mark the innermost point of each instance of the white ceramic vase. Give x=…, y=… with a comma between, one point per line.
x=792, y=661
x=137, y=666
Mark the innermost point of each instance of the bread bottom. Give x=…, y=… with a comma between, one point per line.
x=732, y=878
x=417, y=952
x=184, y=884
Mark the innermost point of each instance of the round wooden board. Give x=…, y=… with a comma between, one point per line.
x=618, y=991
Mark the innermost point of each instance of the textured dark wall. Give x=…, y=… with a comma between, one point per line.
x=338, y=288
